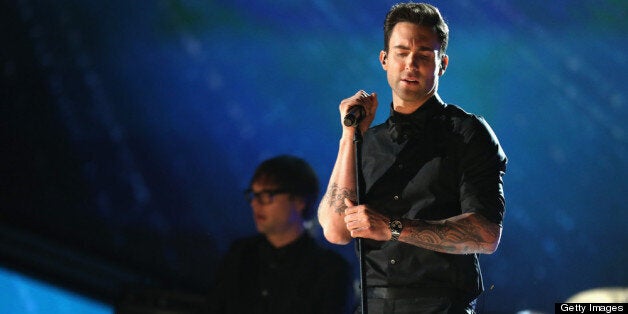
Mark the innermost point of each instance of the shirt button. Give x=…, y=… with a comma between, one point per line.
x=400, y=166
x=392, y=261
x=396, y=197
x=264, y=293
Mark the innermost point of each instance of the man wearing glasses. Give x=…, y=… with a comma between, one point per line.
x=282, y=269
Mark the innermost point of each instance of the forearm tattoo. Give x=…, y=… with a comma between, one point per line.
x=336, y=195
x=454, y=237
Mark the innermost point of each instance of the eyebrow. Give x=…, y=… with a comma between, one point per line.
x=421, y=48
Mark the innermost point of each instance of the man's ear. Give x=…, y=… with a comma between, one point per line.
x=383, y=58
x=444, y=62
x=299, y=203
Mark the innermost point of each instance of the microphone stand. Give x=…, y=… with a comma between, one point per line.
x=357, y=146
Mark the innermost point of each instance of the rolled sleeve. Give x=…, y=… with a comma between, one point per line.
x=482, y=166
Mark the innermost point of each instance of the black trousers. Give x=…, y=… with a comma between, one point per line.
x=379, y=303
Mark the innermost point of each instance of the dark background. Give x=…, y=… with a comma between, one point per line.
x=130, y=128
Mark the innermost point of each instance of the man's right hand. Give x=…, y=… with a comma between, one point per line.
x=361, y=98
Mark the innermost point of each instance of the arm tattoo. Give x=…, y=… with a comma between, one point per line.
x=454, y=237
x=336, y=197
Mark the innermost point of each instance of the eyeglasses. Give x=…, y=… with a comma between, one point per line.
x=264, y=197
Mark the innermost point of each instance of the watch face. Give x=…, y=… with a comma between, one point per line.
x=395, y=229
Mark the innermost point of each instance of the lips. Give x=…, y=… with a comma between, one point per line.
x=410, y=80
x=260, y=217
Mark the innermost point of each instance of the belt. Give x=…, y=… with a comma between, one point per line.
x=408, y=292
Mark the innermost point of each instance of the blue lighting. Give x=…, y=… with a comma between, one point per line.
x=24, y=295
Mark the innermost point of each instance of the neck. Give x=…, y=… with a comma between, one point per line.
x=285, y=237
x=408, y=106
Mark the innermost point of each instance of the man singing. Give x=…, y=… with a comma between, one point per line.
x=432, y=190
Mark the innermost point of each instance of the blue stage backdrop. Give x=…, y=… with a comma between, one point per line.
x=147, y=118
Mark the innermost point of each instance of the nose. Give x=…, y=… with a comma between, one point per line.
x=412, y=62
x=254, y=202
x=255, y=206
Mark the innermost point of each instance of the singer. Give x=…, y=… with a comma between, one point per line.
x=432, y=189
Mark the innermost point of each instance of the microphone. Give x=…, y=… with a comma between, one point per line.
x=354, y=116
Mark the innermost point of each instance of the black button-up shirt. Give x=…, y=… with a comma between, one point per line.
x=301, y=277
x=435, y=163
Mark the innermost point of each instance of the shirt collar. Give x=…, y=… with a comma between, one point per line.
x=290, y=249
x=404, y=126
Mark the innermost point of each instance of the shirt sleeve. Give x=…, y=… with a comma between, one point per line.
x=483, y=165
x=226, y=293
x=219, y=292
x=332, y=286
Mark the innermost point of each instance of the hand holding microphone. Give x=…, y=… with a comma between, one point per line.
x=357, y=112
x=354, y=116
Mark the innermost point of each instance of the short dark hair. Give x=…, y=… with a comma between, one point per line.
x=417, y=13
x=292, y=174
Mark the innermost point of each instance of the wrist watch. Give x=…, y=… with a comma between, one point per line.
x=395, y=229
